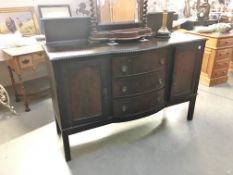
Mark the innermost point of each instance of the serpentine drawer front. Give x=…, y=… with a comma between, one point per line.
x=139, y=63
x=106, y=84
x=134, y=85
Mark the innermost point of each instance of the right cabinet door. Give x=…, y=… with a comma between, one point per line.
x=187, y=59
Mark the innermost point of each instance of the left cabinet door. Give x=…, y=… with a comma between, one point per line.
x=84, y=91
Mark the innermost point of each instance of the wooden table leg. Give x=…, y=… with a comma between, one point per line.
x=17, y=98
x=23, y=92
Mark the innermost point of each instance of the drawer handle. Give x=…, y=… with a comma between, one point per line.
x=160, y=81
x=124, y=108
x=124, y=89
x=124, y=68
x=162, y=61
x=26, y=61
x=159, y=99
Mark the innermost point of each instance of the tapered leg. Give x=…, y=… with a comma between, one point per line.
x=23, y=92
x=58, y=128
x=17, y=98
x=191, y=109
x=66, y=146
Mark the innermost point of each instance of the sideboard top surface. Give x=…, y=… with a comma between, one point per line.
x=63, y=51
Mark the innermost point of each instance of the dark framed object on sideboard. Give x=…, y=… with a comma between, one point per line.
x=119, y=20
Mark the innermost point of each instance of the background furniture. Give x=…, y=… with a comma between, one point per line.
x=102, y=84
x=231, y=65
x=19, y=60
x=190, y=24
x=217, y=56
x=5, y=99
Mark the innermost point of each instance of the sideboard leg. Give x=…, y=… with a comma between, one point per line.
x=191, y=109
x=58, y=128
x=66, y=146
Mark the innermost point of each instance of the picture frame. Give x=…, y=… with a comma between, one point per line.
x=54, y=11
x=21, y=19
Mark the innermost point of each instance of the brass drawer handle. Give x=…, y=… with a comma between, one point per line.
x=159, y=99
x=124, y=68
x=124, y=108
x=162, y=61
x=160, y=81
x=124, y=89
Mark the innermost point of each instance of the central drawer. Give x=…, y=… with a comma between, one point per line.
x=139, y=104
x=139, y=63
x=138, y=84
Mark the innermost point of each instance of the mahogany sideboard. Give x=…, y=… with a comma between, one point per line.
x=97, y=84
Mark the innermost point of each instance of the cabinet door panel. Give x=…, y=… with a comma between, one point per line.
x=84, y=91
x=187, y=65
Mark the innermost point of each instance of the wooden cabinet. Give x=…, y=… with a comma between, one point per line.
x=19, y=60
x=217, y=57
x=105, y=84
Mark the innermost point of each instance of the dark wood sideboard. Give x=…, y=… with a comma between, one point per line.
x=96, y=84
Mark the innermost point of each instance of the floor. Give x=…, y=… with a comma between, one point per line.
x=162, y=144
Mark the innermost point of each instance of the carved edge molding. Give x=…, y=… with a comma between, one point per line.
x=5, y=100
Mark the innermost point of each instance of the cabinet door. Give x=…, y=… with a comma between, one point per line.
x=84, y=90
x=186, y=69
